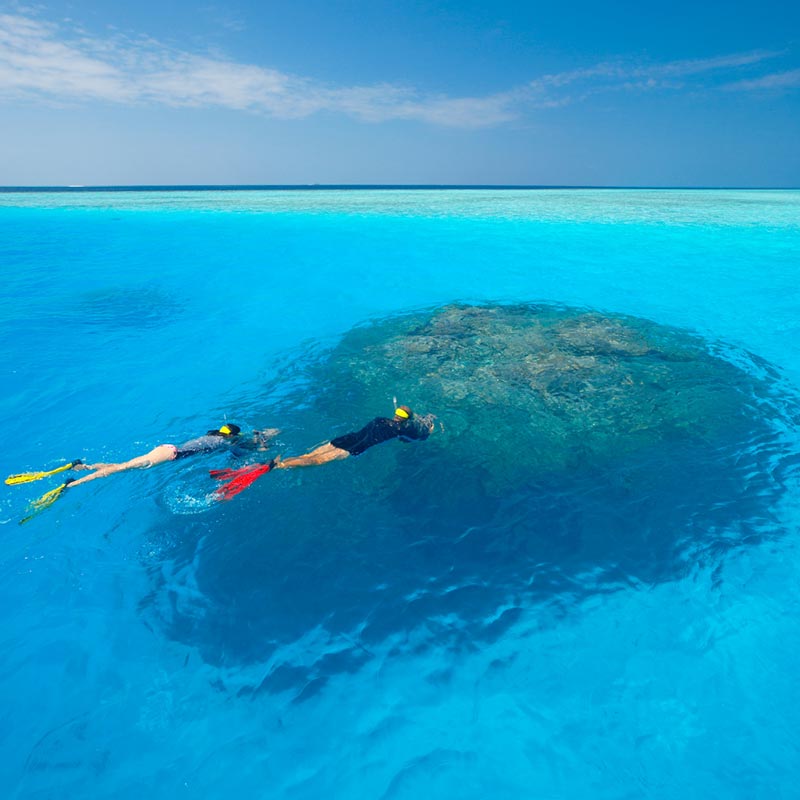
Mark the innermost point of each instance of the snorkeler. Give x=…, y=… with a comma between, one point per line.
x=228, y=436
x=405, y=425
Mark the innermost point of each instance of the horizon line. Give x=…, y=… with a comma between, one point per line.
x=77, y=188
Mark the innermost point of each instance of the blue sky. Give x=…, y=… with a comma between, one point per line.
x=179, y=92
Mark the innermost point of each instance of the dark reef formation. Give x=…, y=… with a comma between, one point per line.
x=580, y=453
x=540, y=389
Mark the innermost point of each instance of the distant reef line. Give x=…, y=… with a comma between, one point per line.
x=310, y=187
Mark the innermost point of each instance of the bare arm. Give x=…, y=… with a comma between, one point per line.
x=428, y=421
x=259, y=440
x=262, y=438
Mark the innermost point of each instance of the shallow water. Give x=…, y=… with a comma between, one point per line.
x=580, y=637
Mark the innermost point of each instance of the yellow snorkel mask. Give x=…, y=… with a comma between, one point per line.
x=402, y=413
x=225, y=430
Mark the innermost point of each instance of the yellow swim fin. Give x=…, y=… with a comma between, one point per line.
x=45, y=501
x=28, y=477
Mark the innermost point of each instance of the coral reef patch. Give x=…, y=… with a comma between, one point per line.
x=578, y=453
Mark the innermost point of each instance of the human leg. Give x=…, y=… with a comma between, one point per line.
x=158, y=455
x=322, y=455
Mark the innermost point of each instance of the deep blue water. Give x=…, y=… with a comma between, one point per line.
x=156, y=642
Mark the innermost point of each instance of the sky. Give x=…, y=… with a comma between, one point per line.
x=675, y=93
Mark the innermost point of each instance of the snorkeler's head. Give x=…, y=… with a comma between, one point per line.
x=228, y=429
x=403, y=412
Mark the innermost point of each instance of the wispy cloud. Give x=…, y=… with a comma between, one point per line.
x=224, y=18
x=609, y=76
x=63, y=65
x=775, y=80
x=37, y=59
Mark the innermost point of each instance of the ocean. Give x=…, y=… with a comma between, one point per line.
x=384, y=626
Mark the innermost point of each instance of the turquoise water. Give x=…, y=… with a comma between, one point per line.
x=154, y=642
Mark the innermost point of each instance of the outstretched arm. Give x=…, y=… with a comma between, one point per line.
x=259, y=440
x=428, y=421
x=262, y=439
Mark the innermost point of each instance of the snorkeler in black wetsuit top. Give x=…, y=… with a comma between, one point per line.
x=405, y=425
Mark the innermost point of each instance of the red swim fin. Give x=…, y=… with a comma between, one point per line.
x=238, y=479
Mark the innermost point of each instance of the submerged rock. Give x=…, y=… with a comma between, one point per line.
x=579, y=453
x=537, y=389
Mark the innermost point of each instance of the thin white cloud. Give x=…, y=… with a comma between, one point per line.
x=776, y=80
x=61, y=66
x=696, y=66
x=629, y=76
x=37, y=60
x=32, y=60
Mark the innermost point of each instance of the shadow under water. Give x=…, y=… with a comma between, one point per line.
x=129, y=308
x=579, y=453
